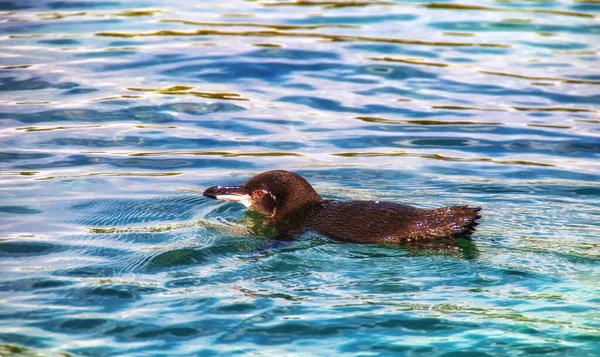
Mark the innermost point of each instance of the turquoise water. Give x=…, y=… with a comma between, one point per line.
x=115, y=116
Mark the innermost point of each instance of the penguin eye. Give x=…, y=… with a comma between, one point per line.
x=259, y=194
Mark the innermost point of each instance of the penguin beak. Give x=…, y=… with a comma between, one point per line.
x=237, y=194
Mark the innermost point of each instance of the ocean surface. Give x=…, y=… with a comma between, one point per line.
x=116, y=115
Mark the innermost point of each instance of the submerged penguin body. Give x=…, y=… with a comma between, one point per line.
x=293, y=206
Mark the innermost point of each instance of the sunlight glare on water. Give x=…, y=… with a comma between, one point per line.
x=115, y=116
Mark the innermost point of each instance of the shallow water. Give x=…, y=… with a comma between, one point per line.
x=115, y=116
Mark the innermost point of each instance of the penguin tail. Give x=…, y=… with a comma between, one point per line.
x=457, y=221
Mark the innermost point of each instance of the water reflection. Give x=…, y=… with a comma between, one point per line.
x=115, y=116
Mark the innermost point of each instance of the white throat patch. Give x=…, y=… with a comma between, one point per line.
x=243, y=199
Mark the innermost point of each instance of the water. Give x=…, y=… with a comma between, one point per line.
x=115, y=116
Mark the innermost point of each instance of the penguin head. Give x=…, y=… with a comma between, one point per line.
x=272, y=193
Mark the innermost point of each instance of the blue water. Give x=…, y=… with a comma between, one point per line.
x=116, y=115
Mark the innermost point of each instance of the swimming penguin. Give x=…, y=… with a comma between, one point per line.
x=292, y=207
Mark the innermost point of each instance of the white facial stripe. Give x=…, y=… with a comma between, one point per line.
x=243, y=199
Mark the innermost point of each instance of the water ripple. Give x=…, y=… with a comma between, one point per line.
x=117, y=115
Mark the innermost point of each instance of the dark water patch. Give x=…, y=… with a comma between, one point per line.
x=105, y=298
x=94, y=351
x=279, y=72
x=157, y=60
x=589, y=77
x=202, y=108
x=88, y=115
x=355, y=177
x=117, y=292
x=234, y=126
x=389, y=286
x=115, y=44
x=391, y=180
x=547, y=350
x=391, y=49
x=34, y=83
x=234, y=71
x=585, y=191
x=203, y=303
x=91, y=271
x=300, y=86
x=169, y=164
x=119, y=212
x=111, y=293
x=239, y=308
x=419, y=325
x=283, y=122
x=500, y=189
x=467, y=354
x=80, y=325
x=61, y=42
x=35, y=314
x=83, y=5
x=291, y=54
x=60, y=27
x=169, y=333
x=460, y=60
x=180, y=257
x=13, y=5
x=566, y=148
x=282, y=333
x=115, y=228
x=483, y=51
x=561, y=46
x=80, y=91
x=496, y=90
x=395, y=72
x=185, y=283
x=138, y=163
x=386, y=348
x=49, y=284
x=146, y=114
x=289, y=331
x=106, y=54
x=336, y=106
x=586, y=6
x=155, y=332
x=176, y=143
x=13, y=249
x=117, y=101
x=587, y=338
x=443, y=117
x=183, y=257
x=24, y=285
x=183, y=332
x=441, y=158
x=520, y=27
x=19, y=210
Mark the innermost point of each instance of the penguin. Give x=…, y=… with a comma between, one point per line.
x=292, y=206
